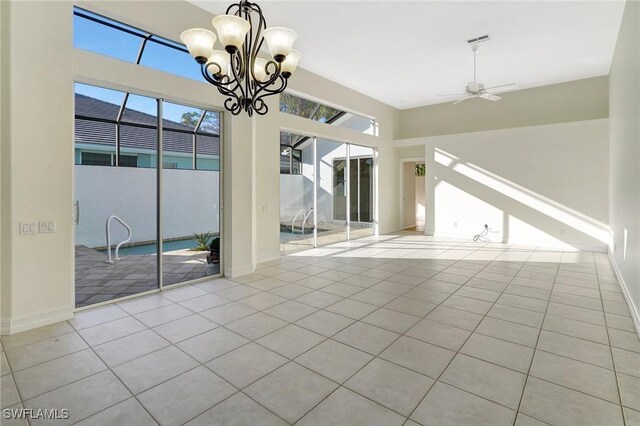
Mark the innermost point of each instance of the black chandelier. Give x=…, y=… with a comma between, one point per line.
x=237, y=71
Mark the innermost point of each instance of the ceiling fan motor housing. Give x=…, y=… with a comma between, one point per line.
x=474, y=88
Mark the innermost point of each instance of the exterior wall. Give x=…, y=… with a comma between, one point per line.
x=131, y=195
x=624, y=156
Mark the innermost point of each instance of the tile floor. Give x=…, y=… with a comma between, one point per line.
x=399, y=329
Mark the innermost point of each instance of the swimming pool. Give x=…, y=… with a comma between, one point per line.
x=151, y=248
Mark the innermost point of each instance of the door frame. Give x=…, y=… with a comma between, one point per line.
x=160, y=99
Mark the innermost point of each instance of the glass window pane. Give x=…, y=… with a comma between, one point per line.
x=181, y=117
x=102, y=39
x=97, y=102
x=173, y=61
x=142, y=142
x=207, y=152
x=297, y=106
x=210, y=123
x=94, y=136
x=285, y=160
x=177, y=150
x=306, y=108
x=141, y=110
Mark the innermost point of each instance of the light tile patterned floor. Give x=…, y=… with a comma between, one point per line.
x=400, y=329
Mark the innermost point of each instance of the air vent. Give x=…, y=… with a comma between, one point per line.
x=480, y=39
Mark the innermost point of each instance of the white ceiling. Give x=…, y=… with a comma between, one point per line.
x=405, y=53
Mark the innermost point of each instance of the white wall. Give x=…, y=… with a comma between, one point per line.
x=542, y=185
x=624, y=156
x=130, y=193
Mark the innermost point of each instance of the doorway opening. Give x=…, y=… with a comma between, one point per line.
x=413, y=195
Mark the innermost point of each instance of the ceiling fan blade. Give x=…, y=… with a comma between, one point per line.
x=490, y=97
x=502, y=87
x=465, y=98
x=453, y=94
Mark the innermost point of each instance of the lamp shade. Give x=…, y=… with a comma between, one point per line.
x=259, y=70
x=199, y=42
x=221, y=60
x=231, y=30
x=279, y=40
x=290, y=64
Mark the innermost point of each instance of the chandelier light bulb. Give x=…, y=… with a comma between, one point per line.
x=199, y=42
x=259, y=69
x=290, y=63
x=280, y=41
x=221, y=60
x=231, y=30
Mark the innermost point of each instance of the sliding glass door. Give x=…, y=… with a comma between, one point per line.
x=332, y=184
x=190, y=196
x=361, y=191
x=128, y=178
x=331, y=192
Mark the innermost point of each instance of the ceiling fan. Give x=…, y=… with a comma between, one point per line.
x=478, y=90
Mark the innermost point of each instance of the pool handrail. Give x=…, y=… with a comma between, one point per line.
x=293, y=222
x=305, y=219
x=126, y=240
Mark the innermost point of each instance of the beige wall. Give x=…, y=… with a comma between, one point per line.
x=624, y=155
x=540, y=185
x=37, y=148
x=5, y=240
x=573, y=101
x=37, y=145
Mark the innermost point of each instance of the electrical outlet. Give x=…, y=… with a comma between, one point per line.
x=28, y=228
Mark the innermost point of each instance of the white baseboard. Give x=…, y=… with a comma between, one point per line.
x=39, y=319
x=238, y=272
x=635, y=312
x=268, y=257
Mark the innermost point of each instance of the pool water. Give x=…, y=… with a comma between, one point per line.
x=151, y=248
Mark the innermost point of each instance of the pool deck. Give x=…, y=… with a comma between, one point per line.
x=99, y=281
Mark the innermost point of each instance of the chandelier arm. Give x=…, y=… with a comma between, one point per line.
x=259, y=40
x=237, y=76
x=232, y=103
x=258, y=101
x=282, y=86
x=263, y=86
x=260, y=107
x=222, y=83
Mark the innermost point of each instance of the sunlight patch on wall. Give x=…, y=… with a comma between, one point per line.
x=546, y=206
